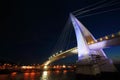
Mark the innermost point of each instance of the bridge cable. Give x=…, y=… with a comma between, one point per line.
x=98, y=7
x=81, y=9
x=98, y=13
x=95, y=8
x=64, y=41
x=66, y=34
x=61, y=41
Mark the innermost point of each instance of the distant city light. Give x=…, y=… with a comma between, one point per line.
x=64, y=66
x=27, y=67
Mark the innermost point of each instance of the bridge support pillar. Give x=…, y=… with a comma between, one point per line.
x=94, y=65
x=87, y=69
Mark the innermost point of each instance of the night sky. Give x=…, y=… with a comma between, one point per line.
x=30, y=28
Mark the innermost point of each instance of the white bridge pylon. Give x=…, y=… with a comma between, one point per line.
x=90, y=62
x=83, y=37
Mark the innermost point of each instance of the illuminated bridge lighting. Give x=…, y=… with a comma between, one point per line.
x=101, y=39
x=112, y=35
x=88, y=43
x=50, y=57
x=53, y=55
x=92, y=42
x=60, y=51
x=96, y=41
x=119, y=33
x=56, y=53
x=106, y=37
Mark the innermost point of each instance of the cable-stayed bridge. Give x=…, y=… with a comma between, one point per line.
x=91, y=58
x=111, y=40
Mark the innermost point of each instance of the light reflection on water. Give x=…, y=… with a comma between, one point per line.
x=43, y=75
x=55, y=75
x=49, y=75
x=3, y=77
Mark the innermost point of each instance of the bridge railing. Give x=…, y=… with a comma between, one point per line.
x=108, y=37
x=61, y=52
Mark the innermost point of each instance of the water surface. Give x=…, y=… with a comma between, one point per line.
x=52, y=75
